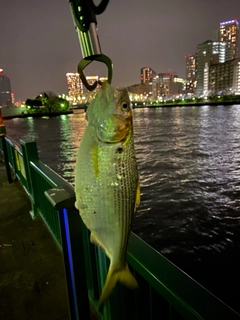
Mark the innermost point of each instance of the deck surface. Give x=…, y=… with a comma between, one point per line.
x=32, y=276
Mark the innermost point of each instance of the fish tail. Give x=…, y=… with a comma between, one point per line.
x=114, y=275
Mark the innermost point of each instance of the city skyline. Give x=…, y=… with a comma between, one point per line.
x=41, y=47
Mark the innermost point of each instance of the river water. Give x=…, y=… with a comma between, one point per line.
x=189, y=165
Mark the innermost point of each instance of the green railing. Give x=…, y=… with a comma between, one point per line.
x=165, y=292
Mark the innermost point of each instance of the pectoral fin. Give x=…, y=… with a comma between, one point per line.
x=138, y=195
x=95, y=240
x=76, y=206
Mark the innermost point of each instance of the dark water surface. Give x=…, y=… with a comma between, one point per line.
x=189, y=165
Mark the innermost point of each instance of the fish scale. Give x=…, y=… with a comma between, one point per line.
x=115, y=201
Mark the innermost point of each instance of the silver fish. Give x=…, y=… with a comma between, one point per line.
x=106, y=180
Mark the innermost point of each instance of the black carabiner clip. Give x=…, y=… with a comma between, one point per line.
x=85, y=62
x=83, y=12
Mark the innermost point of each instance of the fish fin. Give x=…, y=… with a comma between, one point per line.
x=94, y=239
x=76, y=206
x=138, y=195
x=115, y=275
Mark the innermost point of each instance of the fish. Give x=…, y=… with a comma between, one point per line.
x=107, y=184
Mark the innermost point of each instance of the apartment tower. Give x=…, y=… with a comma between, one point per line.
x=5, y=90
x=228, y=33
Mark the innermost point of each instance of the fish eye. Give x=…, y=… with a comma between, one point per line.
x=125, y=105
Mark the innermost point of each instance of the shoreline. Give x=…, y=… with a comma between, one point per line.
x=36, y=115
x=188, y=104
x=139, y=106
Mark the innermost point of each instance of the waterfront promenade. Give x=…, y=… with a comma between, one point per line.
x=32, y=276
x=32, y=279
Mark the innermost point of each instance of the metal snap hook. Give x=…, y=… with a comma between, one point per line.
x=86, y=61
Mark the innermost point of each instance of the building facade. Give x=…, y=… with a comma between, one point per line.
x=147, y=74
x=208, y=53
x=228, y=33
x=5, y=90
x=203, y=58
x=223, y=48
x=140, y=89
x=224, y=78
x=75, y=85
x=191, y=67
x=220, y=49
x=191, y=73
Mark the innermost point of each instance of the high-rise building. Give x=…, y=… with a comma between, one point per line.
x=207, y=53
x=224, y=47
x=191, y=67
x=5, y=90
x=228, y=33
x=75, y=86
x=147, y=74
x=191, y=73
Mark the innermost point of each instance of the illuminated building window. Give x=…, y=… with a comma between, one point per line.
x=75, y=86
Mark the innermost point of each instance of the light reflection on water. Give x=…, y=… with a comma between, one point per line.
x=189, y=165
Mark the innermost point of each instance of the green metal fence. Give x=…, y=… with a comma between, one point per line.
x=165, y=292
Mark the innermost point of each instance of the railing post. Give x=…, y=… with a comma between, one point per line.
x=30, y=153
x=5, y=153
x=72, y=246
x=12, y=160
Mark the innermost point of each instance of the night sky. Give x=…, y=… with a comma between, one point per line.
x=39, y=45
